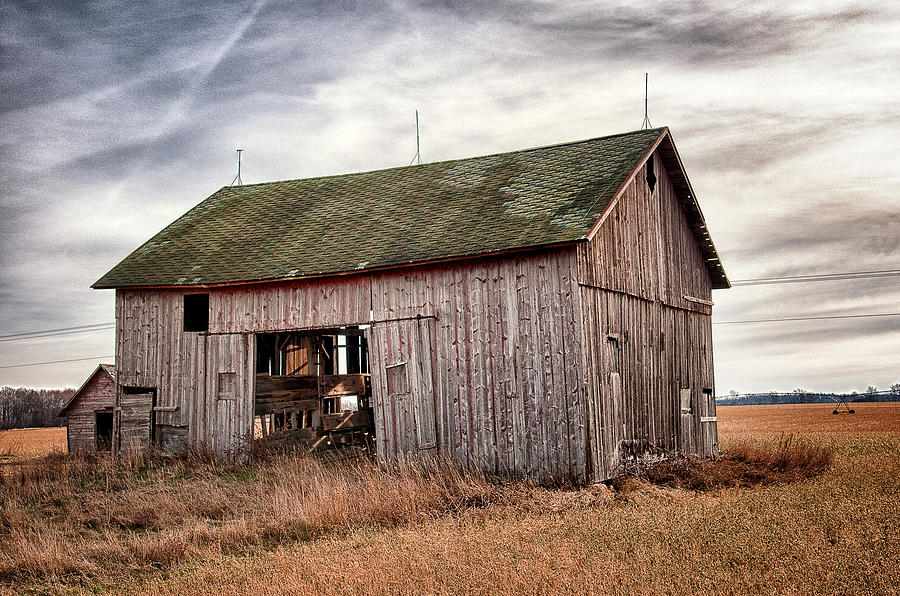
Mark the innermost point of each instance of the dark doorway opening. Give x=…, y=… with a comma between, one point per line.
x=103, y=430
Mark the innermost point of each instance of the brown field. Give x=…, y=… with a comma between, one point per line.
x=291, y=525
x=22, y=443
x=809, y=419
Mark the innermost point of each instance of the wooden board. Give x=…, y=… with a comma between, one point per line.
x=308, y=386
x=134, y=421
x=504, y=337
x=346, y=421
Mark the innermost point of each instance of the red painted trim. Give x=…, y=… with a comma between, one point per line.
x=277, y=280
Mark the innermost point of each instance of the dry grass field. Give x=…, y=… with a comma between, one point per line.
x=291, y=525
x=22, y=443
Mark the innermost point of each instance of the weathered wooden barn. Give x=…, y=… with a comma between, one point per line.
x=544, y=312
x=89, y=412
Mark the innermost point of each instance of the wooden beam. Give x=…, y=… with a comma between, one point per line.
x=346, y=420
x=271, y=406
x=306, y=386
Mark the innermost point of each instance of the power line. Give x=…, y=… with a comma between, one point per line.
x=56, y=362
x=59, y=330
x=794, y=279
x=40, y=335
x=820, y=318
x=737, y=282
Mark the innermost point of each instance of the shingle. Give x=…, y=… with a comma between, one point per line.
x=352, y=222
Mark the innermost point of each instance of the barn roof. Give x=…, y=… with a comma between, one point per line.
x=399, y=216
x=109, y=369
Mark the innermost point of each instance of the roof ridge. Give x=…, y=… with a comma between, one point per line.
x=658, y=130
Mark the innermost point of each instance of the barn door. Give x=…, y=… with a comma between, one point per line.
x=403, y=362
x=228, y=420
x=135, y=414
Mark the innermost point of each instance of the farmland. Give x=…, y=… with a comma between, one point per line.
x=23, y=443
x=215, y=529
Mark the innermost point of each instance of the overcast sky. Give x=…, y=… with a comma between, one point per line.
x=117, y=117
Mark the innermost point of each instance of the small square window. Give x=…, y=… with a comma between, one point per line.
x=397, y=379
x=196, y=312
x=227, y=385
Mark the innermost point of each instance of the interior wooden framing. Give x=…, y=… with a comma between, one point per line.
x=313, y=389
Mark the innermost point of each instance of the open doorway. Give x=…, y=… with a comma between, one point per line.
x=313, y=389
x=103, y=430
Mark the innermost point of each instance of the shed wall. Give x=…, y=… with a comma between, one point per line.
x=644, y=335
x=98, y=394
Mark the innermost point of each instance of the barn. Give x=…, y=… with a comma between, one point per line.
x=89, y=412
x=544, y=312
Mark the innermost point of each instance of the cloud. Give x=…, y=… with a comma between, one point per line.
x=696, y=34
x=119, y=116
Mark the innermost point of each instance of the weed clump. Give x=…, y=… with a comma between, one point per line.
x=744, y=464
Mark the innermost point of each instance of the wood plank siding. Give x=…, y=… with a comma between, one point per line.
x=646, y=332
x=493, y=343
x=96, y=396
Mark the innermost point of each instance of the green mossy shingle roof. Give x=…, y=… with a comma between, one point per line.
x=384, y=218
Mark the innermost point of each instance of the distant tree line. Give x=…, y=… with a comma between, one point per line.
x=24, y=408
x=802, y=396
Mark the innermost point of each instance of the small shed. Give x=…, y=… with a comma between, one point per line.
x=89, y=413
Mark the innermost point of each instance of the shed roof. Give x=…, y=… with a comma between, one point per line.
x=109, y=369
x=388, y=218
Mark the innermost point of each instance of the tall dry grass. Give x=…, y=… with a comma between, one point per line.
x=834, y=533
x=293, y=524
x=101, y=516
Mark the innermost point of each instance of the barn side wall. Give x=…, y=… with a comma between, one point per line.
x=98, y=394
x=504, y=334
x=646, y=336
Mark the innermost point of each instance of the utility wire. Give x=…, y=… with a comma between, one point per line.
x=794, y=279
x=820, y=318
x=56, y=362
x=54, y=330
x=747, y=321
x=39, y=334
x=737, y=282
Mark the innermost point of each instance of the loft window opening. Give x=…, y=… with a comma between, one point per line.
x=196, y=312
x=651, y=174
